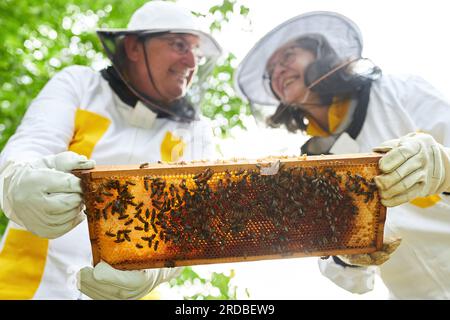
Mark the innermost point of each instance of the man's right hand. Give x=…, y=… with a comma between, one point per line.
x=42, y=195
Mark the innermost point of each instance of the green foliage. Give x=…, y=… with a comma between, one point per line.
x=40, y=38
x=225, y=10
x=220, y=102
x=218, y=282
x=3, y=222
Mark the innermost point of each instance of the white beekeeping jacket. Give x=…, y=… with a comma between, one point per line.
x=419, y=268
x=77, y=110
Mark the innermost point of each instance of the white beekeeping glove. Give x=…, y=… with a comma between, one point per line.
x=42, y=196
x=414, y=166
x=106, y=283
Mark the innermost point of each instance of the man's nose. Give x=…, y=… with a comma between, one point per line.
x=189, y=59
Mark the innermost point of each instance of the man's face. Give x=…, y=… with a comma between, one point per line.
x=286, y=69
x=172, y=62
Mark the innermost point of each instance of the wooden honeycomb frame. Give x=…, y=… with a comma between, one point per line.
x=260, y=236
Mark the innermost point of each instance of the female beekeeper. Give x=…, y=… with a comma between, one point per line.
x=134, y=112
x=310, y=67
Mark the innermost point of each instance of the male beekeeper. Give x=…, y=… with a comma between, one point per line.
x=131, y=113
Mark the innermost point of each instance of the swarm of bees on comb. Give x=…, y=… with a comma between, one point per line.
x=154, y=218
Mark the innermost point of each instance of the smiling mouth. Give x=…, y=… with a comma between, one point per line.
x=180, y=75
x=286, y=83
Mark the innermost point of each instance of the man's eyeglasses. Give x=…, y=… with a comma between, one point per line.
x=182, y=47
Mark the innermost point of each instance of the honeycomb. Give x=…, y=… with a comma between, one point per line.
x=178, y=214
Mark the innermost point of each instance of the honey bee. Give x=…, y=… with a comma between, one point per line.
x=110, y=234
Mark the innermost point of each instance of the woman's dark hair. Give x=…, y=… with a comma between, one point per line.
x=340, y=84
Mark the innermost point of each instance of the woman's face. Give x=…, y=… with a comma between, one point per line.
x=286, y=69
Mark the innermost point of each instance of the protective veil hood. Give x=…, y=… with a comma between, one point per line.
x=153, y=18
x=342, y=34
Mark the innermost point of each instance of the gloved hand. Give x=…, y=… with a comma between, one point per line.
x=42, y=196
x=106, y=283
x=372, y=259
x=414, y=166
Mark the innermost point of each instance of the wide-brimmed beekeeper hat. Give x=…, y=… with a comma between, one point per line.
x=159, y=17
x=342, y=34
